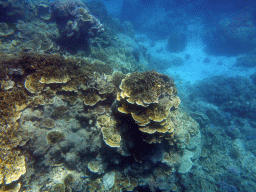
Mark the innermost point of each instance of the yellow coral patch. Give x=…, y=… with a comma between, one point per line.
x=69, y=87
x=14, y=170
x=122, y=110
x=33, y=85
x=6, y=85
x=108, y=128
x=60, y=79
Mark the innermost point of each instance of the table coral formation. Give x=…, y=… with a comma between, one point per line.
x=151, y=100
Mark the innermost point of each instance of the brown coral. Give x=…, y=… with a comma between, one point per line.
x=54, y=137
x=124, y=182
x=109, y=130
x=54, y=79
x=33, y=85
x=146, y=88
x=90, y=98
x=11, y=188
x=151, y=100
x=14, y=169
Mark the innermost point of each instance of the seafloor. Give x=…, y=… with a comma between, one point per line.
x=81, y=111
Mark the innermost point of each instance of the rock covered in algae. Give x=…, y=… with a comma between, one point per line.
x=68, y=179
x=187, y=138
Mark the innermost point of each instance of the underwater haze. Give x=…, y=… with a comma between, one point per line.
x=127, y=95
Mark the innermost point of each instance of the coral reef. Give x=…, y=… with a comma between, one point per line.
x=122, y=53
x=75, y=23
x=147, y=106
x=233, y=95
x=228, y=151
x=27, y=71
x=36, y=36
x=74, y=112
x=232, y=35
x=75, y=27
x=89, y=122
